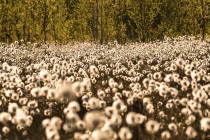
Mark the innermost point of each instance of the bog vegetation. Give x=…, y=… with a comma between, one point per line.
x=102, y=21
x=155, y=91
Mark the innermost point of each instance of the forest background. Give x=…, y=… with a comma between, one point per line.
x=102, y=21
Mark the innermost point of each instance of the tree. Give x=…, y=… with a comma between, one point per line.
x=102, y=21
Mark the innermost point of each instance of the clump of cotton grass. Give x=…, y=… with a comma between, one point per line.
x=101, y=94
x=71, y=119
x=20, y=118
x=191, y=132
x=67, y=91
x=52, y=127
x=133, y=119
x=44, y=76
x=94, y=119
x=93, y=103
x=204, y=124
x=73, y=106
x=5, y=117
x=100, y=135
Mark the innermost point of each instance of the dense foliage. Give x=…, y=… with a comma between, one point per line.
x=147, y=91
x=102, y=21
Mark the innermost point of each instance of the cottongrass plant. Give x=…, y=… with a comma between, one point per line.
x=155, y=90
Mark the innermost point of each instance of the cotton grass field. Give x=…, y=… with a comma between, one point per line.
x=138, y=91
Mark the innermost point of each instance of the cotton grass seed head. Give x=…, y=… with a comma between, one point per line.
x=165, y=135
x=152, y=126
x=94, y=119
x=172, y=127
x=74, y=106
x=5, y=130
x=191, y=132
x=205, y=124
x=125, y=133
x=93, y=103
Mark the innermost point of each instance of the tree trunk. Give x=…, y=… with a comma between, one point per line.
x=203, y=20
x=102, y=28
x=45, y=22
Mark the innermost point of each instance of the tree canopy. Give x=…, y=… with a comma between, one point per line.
x=102, y=21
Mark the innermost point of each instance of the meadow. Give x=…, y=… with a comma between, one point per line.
x=137, y=91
